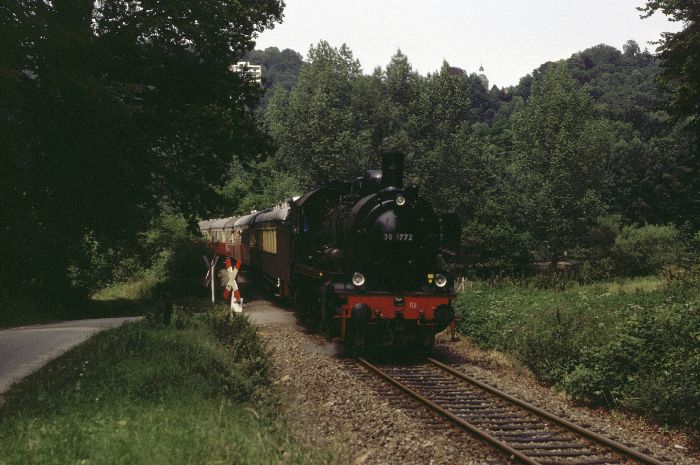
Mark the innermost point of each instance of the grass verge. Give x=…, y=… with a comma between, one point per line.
x=632, y=345
x=197, y=391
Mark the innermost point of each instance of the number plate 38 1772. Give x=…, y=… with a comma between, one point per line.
x=398, y=237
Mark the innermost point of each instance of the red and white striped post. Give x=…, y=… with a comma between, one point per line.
x=232, y=286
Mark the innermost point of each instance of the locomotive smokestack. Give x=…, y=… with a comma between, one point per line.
x=392, y=169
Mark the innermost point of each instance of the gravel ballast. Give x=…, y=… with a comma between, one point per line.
x=333, y=403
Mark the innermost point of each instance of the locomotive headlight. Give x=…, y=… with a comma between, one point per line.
x=358, y=279
x=440, y=280
x=400, y=200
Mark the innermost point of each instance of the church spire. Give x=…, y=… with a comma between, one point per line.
x=482, y=77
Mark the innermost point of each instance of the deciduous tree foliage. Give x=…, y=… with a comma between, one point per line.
x=562, y=151
x=444, y=161
x=109, y=108
x=679, y=53
x=279, y=68
x=402, y=88
x=529, y=169
x=321, y=129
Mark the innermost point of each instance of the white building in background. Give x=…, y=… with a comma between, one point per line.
x=255, y=71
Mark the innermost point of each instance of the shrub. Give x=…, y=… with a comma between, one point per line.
x=181, y=270
x=636, y=347
x=682, y=278
x=495, y=249
x=241, y=339
x=603, y=372
x=647, y=249
x=651, y=365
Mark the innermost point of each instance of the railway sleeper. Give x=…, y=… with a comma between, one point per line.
x=456, y=404
x=505, y=417
x=508, y=427
x=452, y=394
x=549, y=446
x=441, y=387
x=588, y=462
x=538, y=437
x=484, y=412
x=506, y=421
x=455, y=400
x=564, y=453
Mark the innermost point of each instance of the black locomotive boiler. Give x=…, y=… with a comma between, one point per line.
x=364, y=260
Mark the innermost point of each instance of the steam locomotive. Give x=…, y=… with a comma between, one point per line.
x=363, y=260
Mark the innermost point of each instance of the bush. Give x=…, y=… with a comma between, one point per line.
x=682, y=278
x=651, y=365
x=632, y=345
x=180, y=269
x=241, y=339
x=647, y=249
x=495, y=249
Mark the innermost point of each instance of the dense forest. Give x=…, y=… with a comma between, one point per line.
x=121, y=125
x=580, y=163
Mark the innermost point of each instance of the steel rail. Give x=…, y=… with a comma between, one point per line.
x=616, y=446
x=449, y=415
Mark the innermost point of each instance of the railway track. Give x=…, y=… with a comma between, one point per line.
x=524, y=432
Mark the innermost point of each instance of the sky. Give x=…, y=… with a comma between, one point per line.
x=509, y=37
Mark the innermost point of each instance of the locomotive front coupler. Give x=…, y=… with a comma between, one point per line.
x=398, y=321
x=384, y=332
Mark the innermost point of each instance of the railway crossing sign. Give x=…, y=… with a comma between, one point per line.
x=232, y=286
x=210, y=279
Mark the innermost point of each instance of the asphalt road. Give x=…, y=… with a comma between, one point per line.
x=27, y=348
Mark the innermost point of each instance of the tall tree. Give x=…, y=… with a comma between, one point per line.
x=680, y=62
x=680, y=55
x=402, y=87
x=440, y=142
x=280, y=69
x=319, y=127
x=106, y=109
x=562, y=152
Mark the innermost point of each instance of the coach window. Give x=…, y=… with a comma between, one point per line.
x=269, y=241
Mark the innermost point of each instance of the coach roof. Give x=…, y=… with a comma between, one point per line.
x=278, y=214
x=219, y=224
x=245, y=220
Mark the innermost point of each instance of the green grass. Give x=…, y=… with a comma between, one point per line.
x=141, y=394
x=631, y=344
x=135, y=290
x=636, y=285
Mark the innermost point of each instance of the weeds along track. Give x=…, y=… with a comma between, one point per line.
x=522, y=431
